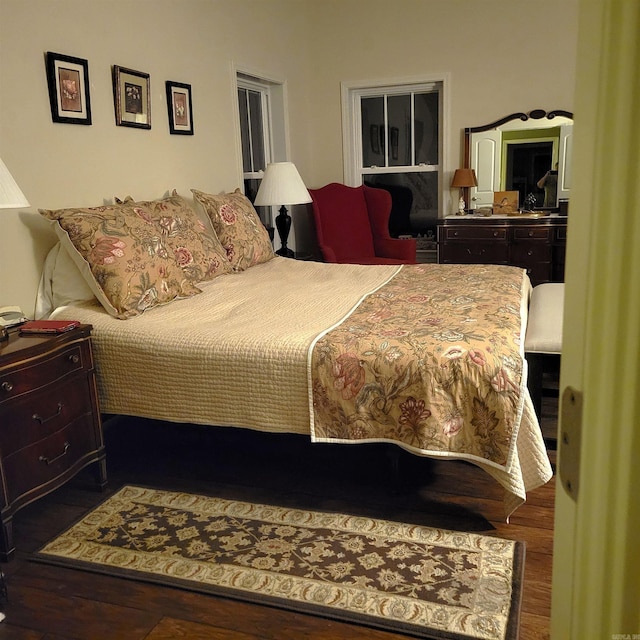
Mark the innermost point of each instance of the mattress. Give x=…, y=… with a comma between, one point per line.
x=239, y=354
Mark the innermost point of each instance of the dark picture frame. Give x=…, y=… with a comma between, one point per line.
x=68, y=83
x=132, y=98
x=180, y=108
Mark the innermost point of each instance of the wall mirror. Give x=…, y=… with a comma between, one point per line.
x=516, y=152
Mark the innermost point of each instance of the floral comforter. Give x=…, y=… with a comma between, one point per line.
x=431, y=360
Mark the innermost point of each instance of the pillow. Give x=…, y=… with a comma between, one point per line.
x=124, y=256
x=61, y=283
x=238, y=228
x=194, y=245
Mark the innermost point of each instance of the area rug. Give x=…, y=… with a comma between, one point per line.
x=405, y=578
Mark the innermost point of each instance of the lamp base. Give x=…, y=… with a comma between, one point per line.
x=285, y=252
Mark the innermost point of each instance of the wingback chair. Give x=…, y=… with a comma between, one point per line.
x=352, y=225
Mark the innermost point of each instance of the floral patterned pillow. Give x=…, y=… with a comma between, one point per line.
x=193, y=243
x=130, y=259
x=238, y=228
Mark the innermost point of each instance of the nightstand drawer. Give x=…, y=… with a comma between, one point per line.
x=36, y=373
x=43, y=461
x=37, y=415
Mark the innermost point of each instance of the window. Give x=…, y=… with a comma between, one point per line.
x=395, y=142
x=253, y=108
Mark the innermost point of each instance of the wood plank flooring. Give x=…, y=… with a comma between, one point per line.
x=50, y=603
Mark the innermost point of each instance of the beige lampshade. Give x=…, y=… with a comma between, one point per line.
x=281, y=185
x=464, y=178
x=10, y=195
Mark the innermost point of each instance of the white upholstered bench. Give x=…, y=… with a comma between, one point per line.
x=544, y=334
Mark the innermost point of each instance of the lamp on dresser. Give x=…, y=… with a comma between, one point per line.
x=10, y=198
x=463, y=179
x=282, y=185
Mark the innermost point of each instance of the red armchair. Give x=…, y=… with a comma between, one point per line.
x=352, y=225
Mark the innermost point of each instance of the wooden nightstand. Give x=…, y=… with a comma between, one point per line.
x=50, y=425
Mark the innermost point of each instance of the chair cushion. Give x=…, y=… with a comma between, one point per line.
x=544, y=328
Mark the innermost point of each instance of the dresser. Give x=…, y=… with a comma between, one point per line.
x=50, y=424
x=535, y=244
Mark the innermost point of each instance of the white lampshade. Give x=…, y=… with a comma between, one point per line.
x=10, y=195
x=281, y=185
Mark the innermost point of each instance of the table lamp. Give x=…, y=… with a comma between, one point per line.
x=463, y=179
x=282, y=185
x=10, y=198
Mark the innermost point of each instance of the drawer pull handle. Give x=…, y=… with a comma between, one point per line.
x=7, y=386
x=42, y=420
x=74, y=358
x=52, y=460
x=495, y=234
x=530, y=252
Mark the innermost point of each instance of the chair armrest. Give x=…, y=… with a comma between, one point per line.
x=404, y=250
x=328, y=253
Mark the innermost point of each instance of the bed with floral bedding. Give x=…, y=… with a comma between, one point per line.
x=195, y=320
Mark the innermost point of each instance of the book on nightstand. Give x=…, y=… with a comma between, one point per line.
x=48, y=326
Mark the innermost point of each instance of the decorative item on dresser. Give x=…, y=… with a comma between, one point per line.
x=535, y=244
x=50, y=424
x=463, y=179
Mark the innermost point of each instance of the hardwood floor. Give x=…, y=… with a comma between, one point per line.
x=51, y=603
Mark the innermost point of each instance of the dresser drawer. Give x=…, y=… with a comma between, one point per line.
x=475, y=252
x=475, y=233
x=524, y=253
x=532, y=233
x=43, y=461
x=34, y=416
x=37, y=373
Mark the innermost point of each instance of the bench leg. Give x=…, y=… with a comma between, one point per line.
x=534, y=382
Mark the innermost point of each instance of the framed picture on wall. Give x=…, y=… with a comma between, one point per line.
x=68, y=82
x=179, y=108
x=132, y=98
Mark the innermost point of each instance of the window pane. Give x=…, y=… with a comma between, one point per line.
x=257, y=131
x=372, y=132
x=426, y=128
x=399, y=116
x=244, y=130
x=251, y=187
x=414, y=198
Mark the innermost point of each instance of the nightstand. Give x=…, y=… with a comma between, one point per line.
x=50, y=424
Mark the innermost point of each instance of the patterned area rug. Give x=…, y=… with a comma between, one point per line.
x=411, y=579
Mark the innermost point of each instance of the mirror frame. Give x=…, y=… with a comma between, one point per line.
x=536, y=114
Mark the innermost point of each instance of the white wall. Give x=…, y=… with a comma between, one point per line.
x=503, y=56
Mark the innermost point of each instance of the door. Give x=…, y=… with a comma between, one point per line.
x=485, y=160
x=596, y=573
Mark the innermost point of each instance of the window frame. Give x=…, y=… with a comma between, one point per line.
x=353, y=92
x=246, y=83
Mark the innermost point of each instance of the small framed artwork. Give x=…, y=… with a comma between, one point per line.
x=180, y=108
x=505, y=202
x=68, y=82
x=132, y=98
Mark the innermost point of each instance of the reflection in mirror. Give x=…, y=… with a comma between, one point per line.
x=527, y=153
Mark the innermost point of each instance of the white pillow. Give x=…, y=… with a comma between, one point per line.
x=61, y=283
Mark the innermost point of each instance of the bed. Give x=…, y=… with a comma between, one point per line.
x=428, y=357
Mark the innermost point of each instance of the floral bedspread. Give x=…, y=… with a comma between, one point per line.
x=431, y=360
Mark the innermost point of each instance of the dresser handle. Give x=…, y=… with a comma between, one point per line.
x=7, y=386
x=42, y=420
x=52, y=460
x=74, y=358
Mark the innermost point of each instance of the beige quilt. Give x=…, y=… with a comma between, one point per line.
x=239, y=354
